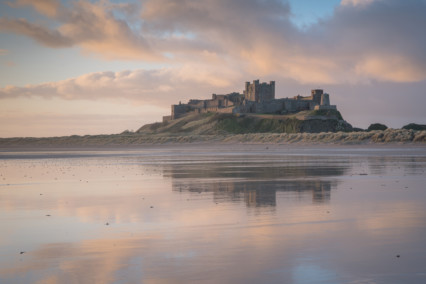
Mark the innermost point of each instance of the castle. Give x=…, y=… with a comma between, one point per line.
x=256, y=98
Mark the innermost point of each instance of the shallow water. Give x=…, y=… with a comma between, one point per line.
x=214, y=214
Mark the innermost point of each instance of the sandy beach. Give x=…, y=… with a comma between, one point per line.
x=214, y=213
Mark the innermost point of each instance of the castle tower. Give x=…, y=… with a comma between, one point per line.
x=316, y=95
x=272, y=86
x=325, y=99
x=259, y=92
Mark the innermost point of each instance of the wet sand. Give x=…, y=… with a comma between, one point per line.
x=214, y=214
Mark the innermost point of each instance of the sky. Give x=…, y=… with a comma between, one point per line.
x=100, y=67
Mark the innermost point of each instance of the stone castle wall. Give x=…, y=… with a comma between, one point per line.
x=256, y=98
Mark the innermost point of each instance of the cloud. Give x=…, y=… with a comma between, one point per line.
x=55, y=116
x=362, y=41
x=157, y=87
x=354, y=45
x=391, y=68
x=213, y=16
x=46, y=7
x=10, y=63
x=45, y=36
x=356, y=2
x=96, y=30
x=380, y=42
x=91, y=26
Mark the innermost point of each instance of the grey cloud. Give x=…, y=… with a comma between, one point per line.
x=226, y=26
x=391, y=25
x=43, y=35
x=212, y=15
x=379, y=41
x=385, y=30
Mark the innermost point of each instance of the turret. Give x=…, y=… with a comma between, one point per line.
x=325, y=100
x=316, y=95
x=272, y=83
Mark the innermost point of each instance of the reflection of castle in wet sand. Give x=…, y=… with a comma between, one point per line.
x=258, y=181
x=258, y=193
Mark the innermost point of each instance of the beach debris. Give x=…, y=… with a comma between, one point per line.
x=47, y=215
x=22, y=252
x=398, y=256
x=106, y=224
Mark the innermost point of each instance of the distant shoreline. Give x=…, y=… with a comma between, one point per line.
x=389, y=136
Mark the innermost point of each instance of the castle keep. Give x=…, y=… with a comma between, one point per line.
x=256, y=98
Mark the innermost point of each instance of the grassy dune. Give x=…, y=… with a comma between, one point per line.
x=399, y=136
x=214, y=124
x=227, y=128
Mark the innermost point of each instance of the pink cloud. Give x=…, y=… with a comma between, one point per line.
x=91, y=26
x=157, y=87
